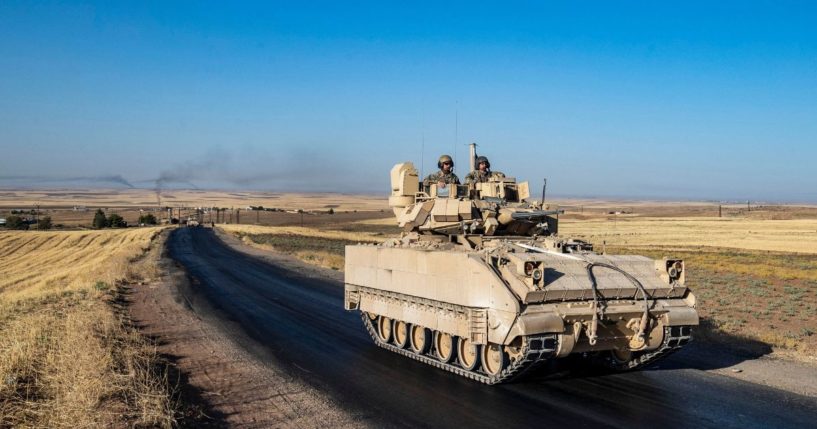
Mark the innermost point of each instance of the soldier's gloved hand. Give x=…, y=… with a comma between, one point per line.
x=441, y=184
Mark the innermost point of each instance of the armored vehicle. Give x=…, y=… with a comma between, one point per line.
x=480, y=284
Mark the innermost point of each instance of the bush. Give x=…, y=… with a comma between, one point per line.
x=147, y=219
x=116, y=221
x=16, y=222
x=99, y=219
x=44, y=223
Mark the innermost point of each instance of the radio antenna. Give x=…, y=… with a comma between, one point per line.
x=422, y=143
x=456, y=129
x=423, y=155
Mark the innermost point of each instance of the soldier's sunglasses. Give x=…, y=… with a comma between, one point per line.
x=446, y=162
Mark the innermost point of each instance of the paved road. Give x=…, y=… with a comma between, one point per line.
x=300, y=323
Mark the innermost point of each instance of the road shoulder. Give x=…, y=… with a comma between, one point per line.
x=222, y=384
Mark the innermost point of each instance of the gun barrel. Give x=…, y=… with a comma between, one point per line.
x=537, y=214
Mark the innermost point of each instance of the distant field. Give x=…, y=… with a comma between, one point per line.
x=67, y=359
x=798, y=236
x=75, y=208
x=148, y=198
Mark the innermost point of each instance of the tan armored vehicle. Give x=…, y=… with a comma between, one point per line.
x=481, y=285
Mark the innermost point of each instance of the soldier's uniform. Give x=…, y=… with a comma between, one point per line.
x=439, y=176
x=478, y=176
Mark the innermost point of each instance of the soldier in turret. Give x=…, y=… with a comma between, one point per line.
x=444, y=176
x=482, y=173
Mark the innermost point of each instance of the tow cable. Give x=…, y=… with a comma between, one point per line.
x=597, y=311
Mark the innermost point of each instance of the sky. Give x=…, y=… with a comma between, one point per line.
x=693, y=100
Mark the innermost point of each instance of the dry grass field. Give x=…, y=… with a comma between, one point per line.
x=796, y=236
x=319, y=246
x=67, y=357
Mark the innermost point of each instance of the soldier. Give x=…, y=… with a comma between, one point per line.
x=444, y=176
x=482, y=173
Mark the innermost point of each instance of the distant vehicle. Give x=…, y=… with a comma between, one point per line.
x=2, y=221
x=481, y=285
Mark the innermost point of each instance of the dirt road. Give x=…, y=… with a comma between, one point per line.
x=293, y=319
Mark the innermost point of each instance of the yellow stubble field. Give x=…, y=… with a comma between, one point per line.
x=67, y=359
x=797, y=236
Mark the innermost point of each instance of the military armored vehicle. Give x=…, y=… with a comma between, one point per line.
x=480, y=284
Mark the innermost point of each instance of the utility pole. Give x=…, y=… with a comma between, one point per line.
x=238, y=216
x=720, y=210
x=748, y=209
x=257, y=214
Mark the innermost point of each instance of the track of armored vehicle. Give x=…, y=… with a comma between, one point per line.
x=534, y=351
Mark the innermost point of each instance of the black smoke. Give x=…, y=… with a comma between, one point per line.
x=111, y=179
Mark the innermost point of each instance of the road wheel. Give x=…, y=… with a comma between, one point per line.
x=621, y=356
x=420, y=339
x=467, y=354
x=401, y=334
x=384, y=329
x=514, y=352
x=494, y=359
x=444, y=346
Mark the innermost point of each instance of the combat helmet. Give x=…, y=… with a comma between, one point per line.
x=481, y=159
x=444, y=158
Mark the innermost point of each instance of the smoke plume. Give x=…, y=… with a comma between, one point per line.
x=113, y=179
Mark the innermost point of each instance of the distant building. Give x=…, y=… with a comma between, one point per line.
x=2, y=221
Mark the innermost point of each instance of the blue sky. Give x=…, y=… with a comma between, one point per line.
x=686, y=101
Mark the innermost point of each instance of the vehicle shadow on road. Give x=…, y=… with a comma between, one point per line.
x=715, y=349
x=709, y=350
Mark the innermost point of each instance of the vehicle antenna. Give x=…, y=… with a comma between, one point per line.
x=456, y=130
x=423, y=155
x=422, y=144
